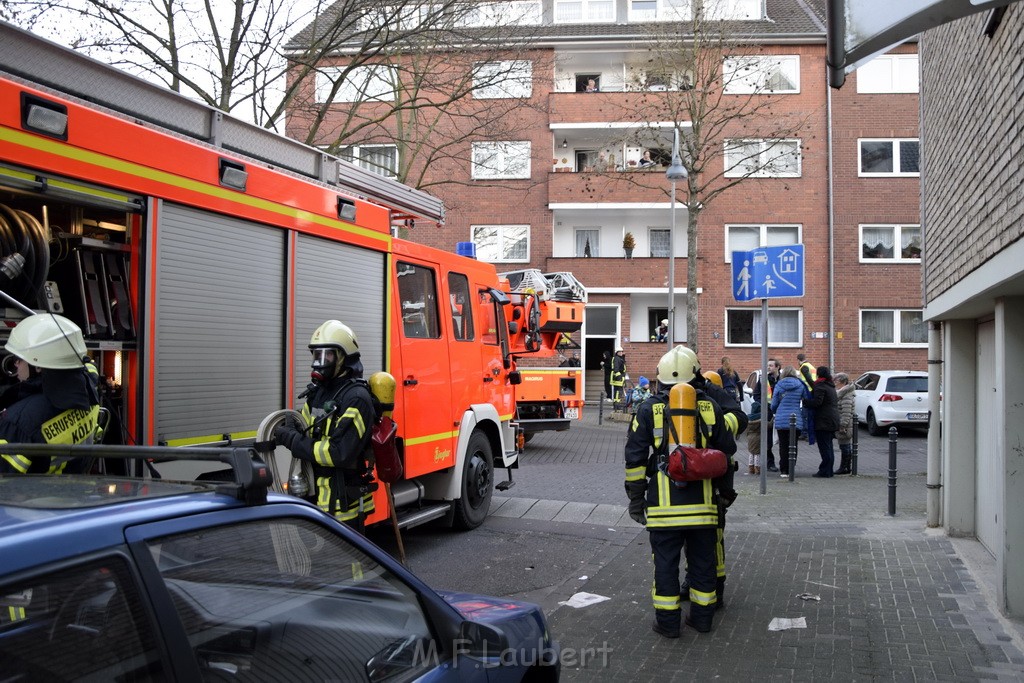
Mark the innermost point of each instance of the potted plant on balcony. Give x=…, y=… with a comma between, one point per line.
x=628, y=244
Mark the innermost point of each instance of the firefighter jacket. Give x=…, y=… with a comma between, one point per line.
x=672, y=505
x=339, y=418
x=58, y=407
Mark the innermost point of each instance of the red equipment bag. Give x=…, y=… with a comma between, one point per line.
x=385, y=452
x=686, y=463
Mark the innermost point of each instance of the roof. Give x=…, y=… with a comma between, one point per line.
x=786, y=19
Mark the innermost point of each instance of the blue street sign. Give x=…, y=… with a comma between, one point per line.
x=768, y=272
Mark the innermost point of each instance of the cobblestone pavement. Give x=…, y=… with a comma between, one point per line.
x=882, y=597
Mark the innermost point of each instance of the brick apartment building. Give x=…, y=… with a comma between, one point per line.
x=571, y=184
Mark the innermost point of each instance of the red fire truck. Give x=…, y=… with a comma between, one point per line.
x=198, y=253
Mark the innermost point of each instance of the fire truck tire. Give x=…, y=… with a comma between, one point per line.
x=477, y=484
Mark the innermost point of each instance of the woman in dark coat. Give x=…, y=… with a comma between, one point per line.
x=826, y=419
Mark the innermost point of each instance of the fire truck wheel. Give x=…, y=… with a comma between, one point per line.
x=477, y=484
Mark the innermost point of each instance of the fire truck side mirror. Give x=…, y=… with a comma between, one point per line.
x=513, y=327
x=515, y=377
x=499, y=297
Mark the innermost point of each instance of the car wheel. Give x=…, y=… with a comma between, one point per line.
x=873, y=428
x=477, y=484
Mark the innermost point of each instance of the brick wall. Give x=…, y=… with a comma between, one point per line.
x=973, y=147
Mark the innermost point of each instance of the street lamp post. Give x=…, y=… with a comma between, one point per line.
x=676, y=171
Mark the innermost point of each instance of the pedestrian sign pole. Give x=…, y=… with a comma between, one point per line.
x=767, y=272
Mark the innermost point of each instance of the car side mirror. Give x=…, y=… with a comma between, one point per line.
x=481, y=640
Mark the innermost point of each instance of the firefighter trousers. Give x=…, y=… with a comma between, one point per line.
x=667, y=546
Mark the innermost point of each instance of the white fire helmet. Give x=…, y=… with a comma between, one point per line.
x=48, y=341
x=678, y=365
x=332, y=336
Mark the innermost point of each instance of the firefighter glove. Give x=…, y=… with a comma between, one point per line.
x=727, y=496
x=287, y=433
x=638, y=510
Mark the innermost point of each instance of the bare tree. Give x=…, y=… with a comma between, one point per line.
x=715, y=86
x=268, y=60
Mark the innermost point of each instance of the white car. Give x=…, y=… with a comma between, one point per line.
x=891, y=397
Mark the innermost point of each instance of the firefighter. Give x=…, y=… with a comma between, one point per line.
x=338, y=416
x=57, y=398
x=679, y=516
x=618, y=377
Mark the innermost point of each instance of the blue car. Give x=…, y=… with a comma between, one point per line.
x=127, y=579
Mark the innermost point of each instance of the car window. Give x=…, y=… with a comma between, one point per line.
x=289, y=600
x=752, y=380
x=82, y=622
x=908, y=384
x=868, y=382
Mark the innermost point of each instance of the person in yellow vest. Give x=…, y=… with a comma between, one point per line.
x=338, y=420
x=677, y=516
x=57, y=398
x=809, y=375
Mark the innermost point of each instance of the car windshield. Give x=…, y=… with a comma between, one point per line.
x=908, y=384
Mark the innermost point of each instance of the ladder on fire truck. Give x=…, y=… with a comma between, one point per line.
x=27, y=57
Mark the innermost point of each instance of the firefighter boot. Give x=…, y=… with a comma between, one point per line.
x=667, y=622
x=700, y=618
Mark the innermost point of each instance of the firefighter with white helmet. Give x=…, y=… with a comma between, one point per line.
x=56, y=399
x=339, y=417
x=680, y=515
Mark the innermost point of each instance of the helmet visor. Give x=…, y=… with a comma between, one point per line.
x=325, y=364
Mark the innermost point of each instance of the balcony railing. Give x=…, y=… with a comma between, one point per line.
x=636, y=273
x=626, y=186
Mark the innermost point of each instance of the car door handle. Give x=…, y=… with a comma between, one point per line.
x=410, y=382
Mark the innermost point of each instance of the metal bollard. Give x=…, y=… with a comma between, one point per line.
x=853, y=447
x=600, y=409
x=892, y=471
x=792, y=448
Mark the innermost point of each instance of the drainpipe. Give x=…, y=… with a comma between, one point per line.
x=934, y=481
x=831, y=234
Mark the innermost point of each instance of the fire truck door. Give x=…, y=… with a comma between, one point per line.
x=425, y=382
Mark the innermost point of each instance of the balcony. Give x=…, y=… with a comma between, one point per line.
x=634, y=185
x=616, y=271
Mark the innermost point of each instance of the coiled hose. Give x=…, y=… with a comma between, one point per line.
x=24, y=255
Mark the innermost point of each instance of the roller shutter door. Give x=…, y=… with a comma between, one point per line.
x=342, y=282
x=219, y=347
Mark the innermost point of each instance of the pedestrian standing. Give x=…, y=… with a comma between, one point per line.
x=730, y=378
x=606, y=369
x=773, y=378
x=847, y=420
x=680, y=515
x=786, y=400
x=826, y=419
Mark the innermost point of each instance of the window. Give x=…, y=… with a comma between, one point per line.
x=462, y=306
x=602, y=321
x=890, y=243
x=654, y=318
x=889, y=74
x=750, y=237
x=281, y=597
x=584, y=11
x=497, y=243
x=761, y=74
x=659, y=10
x=659, y=239
x=893, y=327
x=501, y=160
x=78, y=623
x=489, y=14
x=418, y=292
x=743, y=327
x=762, y=158
x=361, y=84
x=897, y=157
x=492, y=80
x=381, y=159
x=588, y=242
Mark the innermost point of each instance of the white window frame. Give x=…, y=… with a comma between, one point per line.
x=763, y=241
x=664, y=10
x=798, y=342
x=490, y=14
x=897, y=243
x=770, y=151
x=890, y=74
x=585, y=12
x=501, y=238
x=896, y=330
x=356, y=152
x=595, y=247
x=750, y=74
x=503, y=80
x=650, y=240
x=896, y=161
x=506, y=160
x=383, y=76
